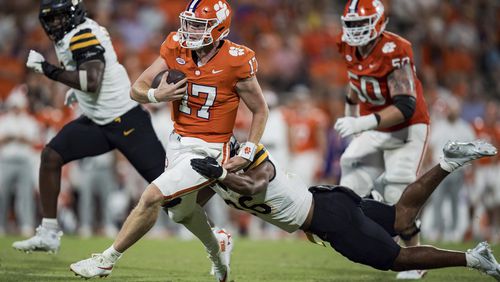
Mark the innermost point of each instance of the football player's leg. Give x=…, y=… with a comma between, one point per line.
x=141, y=219
x=135, y=137
x=189, y=213
x=403, y=156
x=417, y=193
x=351, y=232
x=428, y=257
x=361, y=164
x=71, y=143
x=137, y=224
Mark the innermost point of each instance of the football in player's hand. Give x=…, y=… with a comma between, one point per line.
x=173, y=76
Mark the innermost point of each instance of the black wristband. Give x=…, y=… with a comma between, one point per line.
x=51, y=71
x=349, y=101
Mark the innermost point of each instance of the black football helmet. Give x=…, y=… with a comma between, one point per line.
x=59, y=17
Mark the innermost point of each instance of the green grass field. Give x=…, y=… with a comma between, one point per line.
x=174, y=260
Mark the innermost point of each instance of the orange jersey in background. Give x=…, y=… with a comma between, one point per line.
x=208, y=111
x=368, y=76
x=303, y=128
x=488, y=133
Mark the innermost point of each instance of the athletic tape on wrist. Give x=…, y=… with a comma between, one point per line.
x=248, y=151
x=151, y=95
x=224, y=174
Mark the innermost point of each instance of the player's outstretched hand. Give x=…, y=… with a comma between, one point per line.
x=167, y=92
x=208, y=167
x=236, y=163
x=35, y=61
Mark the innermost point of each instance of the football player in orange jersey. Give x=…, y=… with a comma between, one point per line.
x=385, y=108
x=218, y=73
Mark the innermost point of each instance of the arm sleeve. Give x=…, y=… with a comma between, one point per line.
x=85, y=46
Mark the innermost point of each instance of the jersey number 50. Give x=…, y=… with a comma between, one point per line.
x=196, y=90
x=363, y=92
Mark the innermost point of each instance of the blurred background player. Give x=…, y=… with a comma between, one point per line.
x=452, y=186
x=110, y=120
x=306, y=135
x=385, y=109
x=19, y=136
x=204, y=105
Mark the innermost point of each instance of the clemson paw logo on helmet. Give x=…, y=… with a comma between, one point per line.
x=221, y=10
x=389, y=47
x=235, y=51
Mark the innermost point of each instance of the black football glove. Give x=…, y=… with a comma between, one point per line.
x=209, y=168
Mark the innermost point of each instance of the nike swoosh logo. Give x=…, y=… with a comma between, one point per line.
x=105, y=268
x=216, y=71
x=127, y=132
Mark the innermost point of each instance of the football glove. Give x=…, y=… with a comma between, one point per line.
x=347, y=126
x=209, y=168
x=35, y=61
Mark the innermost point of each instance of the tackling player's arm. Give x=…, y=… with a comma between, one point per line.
x=143, y=93
x=401, y=83
x=250, y=92
x=251, y=182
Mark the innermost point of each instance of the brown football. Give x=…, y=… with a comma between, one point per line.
x=173, y=76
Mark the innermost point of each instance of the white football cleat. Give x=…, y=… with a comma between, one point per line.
x=220, y=264
x=96, y=266
x=482, y=259
x=456, y=154
x=45, y=240
x=411, y=274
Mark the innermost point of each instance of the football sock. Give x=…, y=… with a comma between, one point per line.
x=198, y=225
x=111, y=254
x=50, y=224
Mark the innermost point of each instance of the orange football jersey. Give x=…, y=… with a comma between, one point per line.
x=488, y=133
x=368, y=76
x=303, y=126
x=208, y=111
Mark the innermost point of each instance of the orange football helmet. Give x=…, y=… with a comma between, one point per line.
x=362, y=21
x=204, y=22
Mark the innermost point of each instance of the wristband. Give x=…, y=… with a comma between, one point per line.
x=83, y=80
x=51, y=71
x=151, y=95
x=224, y=174
x=248, y=151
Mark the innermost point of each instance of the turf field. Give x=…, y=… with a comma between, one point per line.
x=173, y=260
